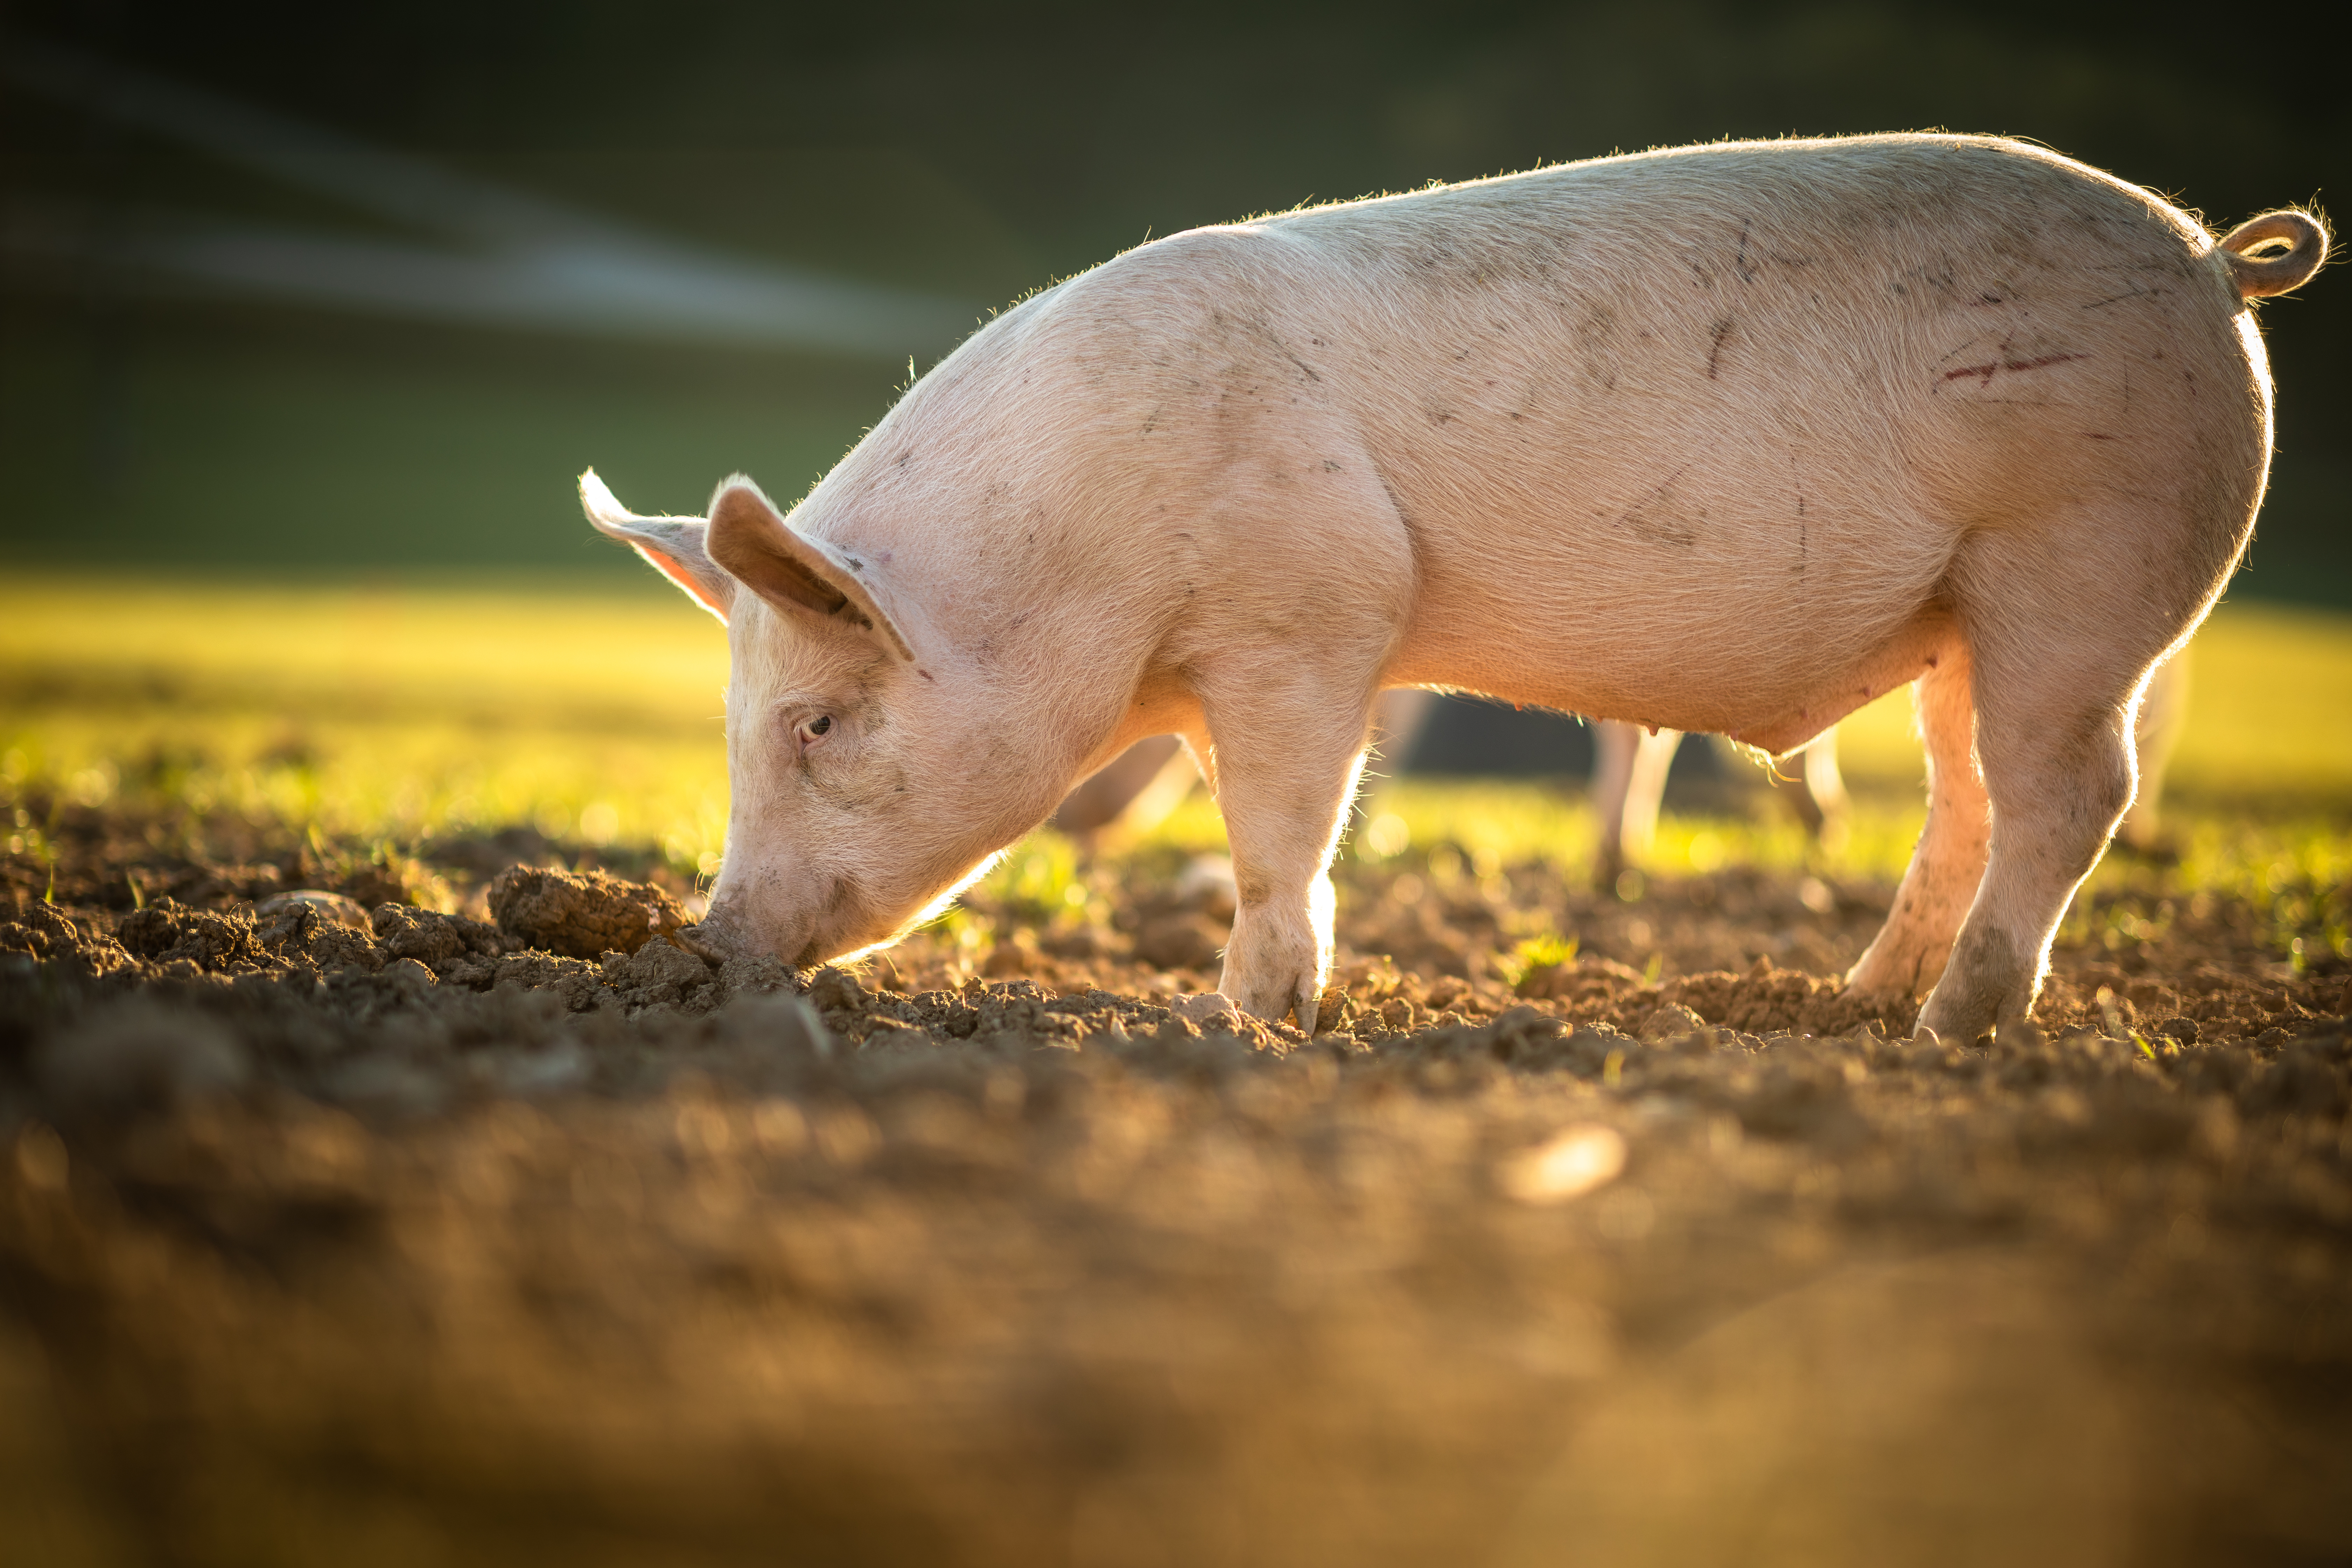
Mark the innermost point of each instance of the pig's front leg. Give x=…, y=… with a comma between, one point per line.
x=1285, y=769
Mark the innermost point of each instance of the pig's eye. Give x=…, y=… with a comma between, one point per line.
x=809, y=731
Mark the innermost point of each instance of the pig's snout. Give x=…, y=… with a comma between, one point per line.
x=725, y=933
x=713, y=941
x=735, y=929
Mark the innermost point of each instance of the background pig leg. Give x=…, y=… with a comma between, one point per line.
x=1397, y=718
x=1137, y=790
x=1629, y=778
x=1949, y=860
x=2162, y=710
x=1147, y=781
x=1285, y=767
x=1823, y=804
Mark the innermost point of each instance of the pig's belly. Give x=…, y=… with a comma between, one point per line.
x=1731, y=634
x=1713, y=689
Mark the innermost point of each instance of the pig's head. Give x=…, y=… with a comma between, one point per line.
x=868, y=783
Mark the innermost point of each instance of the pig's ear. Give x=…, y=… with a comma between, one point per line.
x=674, y=545
x=796, y=575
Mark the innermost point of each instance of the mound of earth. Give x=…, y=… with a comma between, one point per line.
x=583, y=914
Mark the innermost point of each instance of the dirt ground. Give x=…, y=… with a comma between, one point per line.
x=336, y=1228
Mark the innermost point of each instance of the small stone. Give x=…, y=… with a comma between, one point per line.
x=334, y=908
x=1671, y=1022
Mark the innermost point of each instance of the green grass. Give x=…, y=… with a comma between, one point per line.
x=399, y=712
x=593, y=712
x=2269, y=714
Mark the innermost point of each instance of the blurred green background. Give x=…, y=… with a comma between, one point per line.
x=946, y=157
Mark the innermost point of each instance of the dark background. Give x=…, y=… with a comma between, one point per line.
x=966, y=151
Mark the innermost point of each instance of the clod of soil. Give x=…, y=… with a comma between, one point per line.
x=581, y=914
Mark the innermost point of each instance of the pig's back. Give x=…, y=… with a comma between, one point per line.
x=1637, y=413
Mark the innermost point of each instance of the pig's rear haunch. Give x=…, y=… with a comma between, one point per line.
x=1728, y=438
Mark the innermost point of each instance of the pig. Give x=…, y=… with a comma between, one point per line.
x=1972, y=415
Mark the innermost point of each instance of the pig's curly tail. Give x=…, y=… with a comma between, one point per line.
x=2303, y=235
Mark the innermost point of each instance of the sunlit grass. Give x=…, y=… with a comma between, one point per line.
x=593, y=714
x=510, y=651
x=385, y=710
x=1501, y=823
x=2270, y=712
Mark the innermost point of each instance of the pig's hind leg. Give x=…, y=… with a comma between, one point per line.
x=1285, y=763
x=1949, y=860
x=2063, y=626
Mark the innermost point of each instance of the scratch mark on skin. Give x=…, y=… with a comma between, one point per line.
x=1715, y=351
x=2127, y=294
x=1747, y=274
x=1986, y=370
x=926, y=674
x=2094, y=436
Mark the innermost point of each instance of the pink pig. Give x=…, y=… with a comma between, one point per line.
x=1973, y=415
